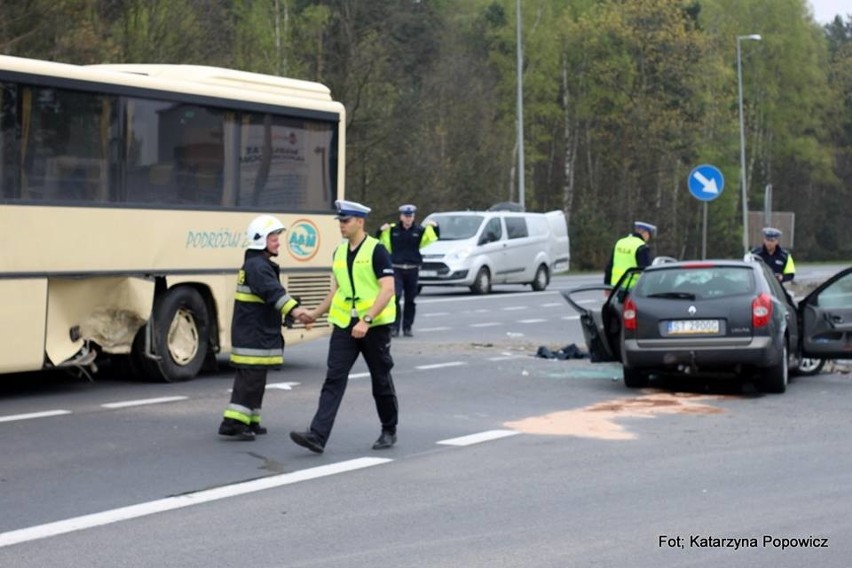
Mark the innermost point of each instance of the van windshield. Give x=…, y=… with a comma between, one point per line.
x=457, y=227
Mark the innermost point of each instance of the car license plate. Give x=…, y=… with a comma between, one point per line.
x=693, y=327
x=428, y=273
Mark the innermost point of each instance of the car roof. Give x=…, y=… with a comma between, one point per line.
x=690, y=264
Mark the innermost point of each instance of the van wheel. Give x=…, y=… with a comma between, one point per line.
x=180, y=337
x=482, y=283
x=542, y=279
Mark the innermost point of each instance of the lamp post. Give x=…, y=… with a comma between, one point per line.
x=743, y=187
x=520, y=104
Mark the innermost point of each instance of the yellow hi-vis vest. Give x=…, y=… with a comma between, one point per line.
x=428, y=237
x=624, y=256
x=366, y=287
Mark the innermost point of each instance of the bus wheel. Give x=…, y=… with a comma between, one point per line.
x=180, y=337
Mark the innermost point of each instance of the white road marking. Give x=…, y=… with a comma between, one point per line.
x=505, y=357
x=440, y=365
x=535, y=320
x=479, y=438
x=282, y=386
x=359, y=375
x=487, y=324
x=570, y=317
x=180, y=501
x=436, y=314
x=512, y=308
x=143, y=402
x=45, y=414
x=553, y=304
x=428, y=329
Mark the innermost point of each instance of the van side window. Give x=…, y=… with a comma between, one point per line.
x=493, y=230
x=516, y=227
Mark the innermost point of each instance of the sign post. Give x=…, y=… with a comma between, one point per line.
x=705, y=184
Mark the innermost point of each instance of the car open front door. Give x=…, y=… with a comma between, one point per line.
x=602, y=325
x=825, y=316
x=591, y=320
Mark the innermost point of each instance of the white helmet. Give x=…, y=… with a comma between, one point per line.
x=259, y=228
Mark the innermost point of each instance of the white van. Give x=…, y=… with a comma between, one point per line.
x=482, y=248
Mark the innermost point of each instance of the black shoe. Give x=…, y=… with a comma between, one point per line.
x=385, y=441
x=236, y=429
x=258, y=429
x=308, y=440
x=394, y=333
x=407, y=333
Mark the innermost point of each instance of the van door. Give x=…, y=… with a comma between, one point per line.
x=520, y=253
x=493, y=245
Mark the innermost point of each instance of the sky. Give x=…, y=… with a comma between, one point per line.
x=825, y=10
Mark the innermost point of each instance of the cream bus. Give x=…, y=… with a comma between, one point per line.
x=126, y=191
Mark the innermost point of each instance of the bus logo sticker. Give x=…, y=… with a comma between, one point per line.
x=304, y=239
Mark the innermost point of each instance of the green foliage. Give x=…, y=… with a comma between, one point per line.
x=622, y=98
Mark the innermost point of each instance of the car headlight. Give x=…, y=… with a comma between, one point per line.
x=460, y=254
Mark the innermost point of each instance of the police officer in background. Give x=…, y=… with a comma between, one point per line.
x=630, y=251
x=775, y=257
x=260, y=303
x=361, y=311
x=404, y=241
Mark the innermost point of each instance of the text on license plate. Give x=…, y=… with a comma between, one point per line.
x=690, y=327
x=428, y=273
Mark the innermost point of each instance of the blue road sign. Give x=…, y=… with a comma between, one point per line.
x=706, y=182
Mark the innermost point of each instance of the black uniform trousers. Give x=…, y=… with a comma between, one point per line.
x=405, y=284
x=249, y=387
x=343, y=350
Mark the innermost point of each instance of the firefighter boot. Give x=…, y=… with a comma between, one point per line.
x=236, y=429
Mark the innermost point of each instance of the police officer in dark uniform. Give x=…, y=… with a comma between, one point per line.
x=404, y=241
x=260, y=304
x=361, y=311
x=775, y=257
x=630, y=251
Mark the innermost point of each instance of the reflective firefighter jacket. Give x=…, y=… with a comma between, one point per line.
x=259, y=306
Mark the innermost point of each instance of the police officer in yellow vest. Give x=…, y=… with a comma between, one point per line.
x=361, y=310
x=776, y=257
x=631, y=251
x=257, y=346
x=404, y=241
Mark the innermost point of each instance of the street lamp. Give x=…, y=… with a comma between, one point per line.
x=744, y=189
x=520, y=105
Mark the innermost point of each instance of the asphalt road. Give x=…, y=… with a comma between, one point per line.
x=503, y=459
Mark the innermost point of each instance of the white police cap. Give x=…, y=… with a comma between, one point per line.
x=771, y=232
x=346, y=209
x=407, y=209
x=643, y=226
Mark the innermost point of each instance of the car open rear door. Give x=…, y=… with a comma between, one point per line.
x=825, y=316
x=591, y=321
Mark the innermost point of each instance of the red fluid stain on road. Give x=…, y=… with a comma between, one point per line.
x=601, y=420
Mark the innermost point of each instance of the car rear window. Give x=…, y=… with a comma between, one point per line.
x=700, y=282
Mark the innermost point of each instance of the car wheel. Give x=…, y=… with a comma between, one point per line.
x=635, y=379
x=774, y=379
x=482, y=283
x=541, y=280
x=180, y=337
x=808, y=367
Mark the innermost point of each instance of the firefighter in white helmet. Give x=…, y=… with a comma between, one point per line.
x=257, y=345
